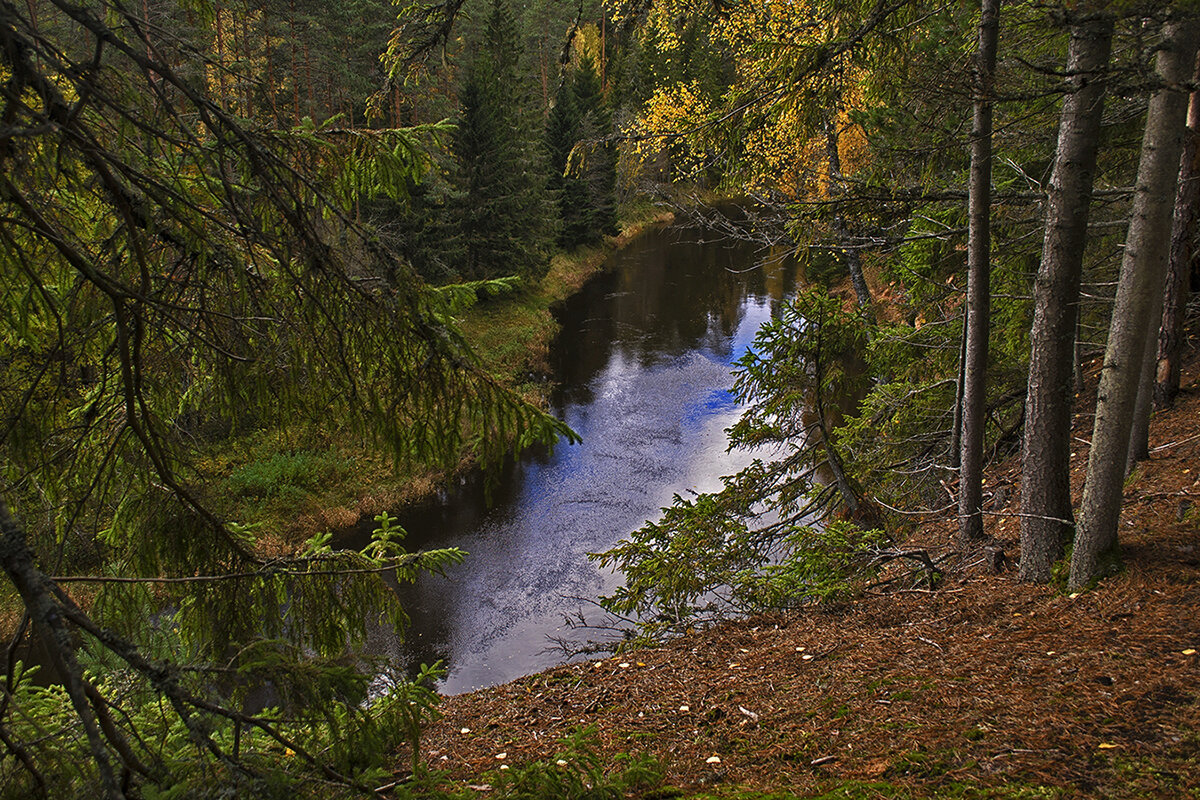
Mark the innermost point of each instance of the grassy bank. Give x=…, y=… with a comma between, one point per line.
x=295, y=486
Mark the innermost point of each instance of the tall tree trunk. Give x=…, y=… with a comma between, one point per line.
x=221, y=66
x=956, y=430
x=979, y=190
x=295, y=63
x=268, y=49
x=1139, y=289
x=1183, y=257
x=1046, y=521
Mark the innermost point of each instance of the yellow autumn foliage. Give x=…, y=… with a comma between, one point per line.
x=774, y=131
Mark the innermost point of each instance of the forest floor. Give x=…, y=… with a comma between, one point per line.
x=984, y=687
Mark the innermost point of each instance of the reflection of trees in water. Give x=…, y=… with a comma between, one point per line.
x=674, y=292
x=670, y=294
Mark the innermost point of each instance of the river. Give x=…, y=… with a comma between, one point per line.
x=643, y=366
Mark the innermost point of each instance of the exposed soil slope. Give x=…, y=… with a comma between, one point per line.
x=984, y=682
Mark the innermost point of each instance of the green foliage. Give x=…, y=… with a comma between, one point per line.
x=504, y=212
x=577, y=772
x=345, y=714
x=171, y=275
x=287, y=474
x=355, y=739
x=757, y=544
x=582, y=166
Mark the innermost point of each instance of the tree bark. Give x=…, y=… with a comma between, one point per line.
x=970, y=484
x=1046, y=521
x=1183, y=258
x=1139, y=289
x=17, y=562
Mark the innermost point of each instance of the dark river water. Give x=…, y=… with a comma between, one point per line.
x=644, y=366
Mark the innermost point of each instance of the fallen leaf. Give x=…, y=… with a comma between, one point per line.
x=685, y=708
x=806, y=657
x=561, y=762
x=624, y=665
x=501, y=756
x=1107, y=746
x=713, y=760
x=1189, y=652
x=465, y=731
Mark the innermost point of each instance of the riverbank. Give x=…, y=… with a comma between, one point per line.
x=985, y=687
x=293, y=488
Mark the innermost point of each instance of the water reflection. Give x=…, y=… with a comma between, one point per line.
x=644, y=365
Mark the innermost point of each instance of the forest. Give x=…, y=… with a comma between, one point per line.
x=274, y=270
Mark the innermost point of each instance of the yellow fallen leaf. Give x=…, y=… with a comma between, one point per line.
x=1107, y=746
x=640, y=664
x=1072, y=595
x=289, y=752
x=1189, y=652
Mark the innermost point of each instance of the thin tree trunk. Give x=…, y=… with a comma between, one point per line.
x=853, y=260
x=1046, y=521
x=956, y=431
x=1183, y=256
x=268, y=48
x=1139, y=289
x=220, y=34
x=970, y=483
x=295, y=63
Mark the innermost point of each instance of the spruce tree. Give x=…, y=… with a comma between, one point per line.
x=505, y=213
x=601, y=165
x=583, y=166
